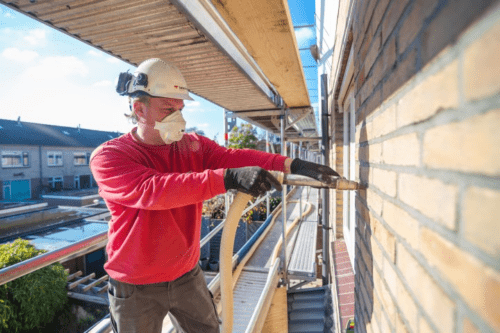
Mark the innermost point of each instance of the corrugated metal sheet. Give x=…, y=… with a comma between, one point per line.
x=310, y=310
x=137, y=30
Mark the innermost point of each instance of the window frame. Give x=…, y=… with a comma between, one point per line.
x=55, y=154
x=24, y=158
x=349, y=208
x=54, y=180
x=84, y=155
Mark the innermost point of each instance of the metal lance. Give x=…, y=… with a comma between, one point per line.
x=337, y=183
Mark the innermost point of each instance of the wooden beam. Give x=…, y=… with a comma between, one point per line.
x=277, y=317
x=265, y=28
x=298, y=139
x=258, y=113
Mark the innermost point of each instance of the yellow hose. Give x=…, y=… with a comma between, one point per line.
x=226, y=253
x=226, y=256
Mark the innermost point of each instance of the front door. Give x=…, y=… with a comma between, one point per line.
x=6, y=192
x=20, y=190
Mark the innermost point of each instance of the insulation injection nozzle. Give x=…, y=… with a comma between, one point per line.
x=341, y=184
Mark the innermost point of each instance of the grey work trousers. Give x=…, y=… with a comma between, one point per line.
x=142, y=308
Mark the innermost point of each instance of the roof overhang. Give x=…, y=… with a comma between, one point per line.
x=209, y=44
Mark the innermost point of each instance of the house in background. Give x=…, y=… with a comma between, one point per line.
x=39, y=158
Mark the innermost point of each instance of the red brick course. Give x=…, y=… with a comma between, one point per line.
x=344, y=279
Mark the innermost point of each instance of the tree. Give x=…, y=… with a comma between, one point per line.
x=244, y=136
x=273, y=138
x=195, y=130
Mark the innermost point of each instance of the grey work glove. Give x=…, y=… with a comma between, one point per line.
x=317, y=171
x=250, y=180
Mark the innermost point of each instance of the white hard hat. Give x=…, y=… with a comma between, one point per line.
x=158, y=78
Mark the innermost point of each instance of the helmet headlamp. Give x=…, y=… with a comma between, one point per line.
x=156, y=78
x=123, y=83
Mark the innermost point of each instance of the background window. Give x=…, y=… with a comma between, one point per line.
x=81, y=158
x=349, y=173
x=56, y=183
x=15, y=159
x=54, y=158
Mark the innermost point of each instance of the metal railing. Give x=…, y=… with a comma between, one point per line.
x=219, y=227
x=68, y=252
x=80, y=248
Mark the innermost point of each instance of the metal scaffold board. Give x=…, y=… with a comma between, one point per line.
x=302, y=265
x=262, y=255
x=246, y=294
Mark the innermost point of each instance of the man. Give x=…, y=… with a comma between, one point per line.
x=154, y=181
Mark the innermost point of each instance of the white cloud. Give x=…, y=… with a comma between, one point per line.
x=303, y=36
x=204, y=125
x=104, y=83
x=94, y=53
x=56, y=68
x=63, y=98
x=6, y=31
x=36, y=37
x=17, y=55
x=113, y=60
x=6, y=13
x=190, y=104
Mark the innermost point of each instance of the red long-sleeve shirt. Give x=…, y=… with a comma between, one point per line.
x=155, y=195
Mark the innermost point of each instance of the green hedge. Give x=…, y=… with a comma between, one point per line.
x=30, y=301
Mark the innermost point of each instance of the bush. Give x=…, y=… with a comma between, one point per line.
x=274, y=202
x=30, y=301
x=215, y=208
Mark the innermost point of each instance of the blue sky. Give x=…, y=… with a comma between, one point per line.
x=51, y=78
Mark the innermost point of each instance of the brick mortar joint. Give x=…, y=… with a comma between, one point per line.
x=381, y=274
x=414, y=298
x=448, y=116
x=447, y=176
x=446, y=56
x=394, y=32
x=434, y=273
x=458, y=240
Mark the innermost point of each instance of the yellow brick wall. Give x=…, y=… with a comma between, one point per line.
x=427, y=91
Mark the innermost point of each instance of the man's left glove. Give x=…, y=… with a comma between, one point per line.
x=317, y=171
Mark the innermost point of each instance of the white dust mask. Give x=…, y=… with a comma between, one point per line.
x=172, y=127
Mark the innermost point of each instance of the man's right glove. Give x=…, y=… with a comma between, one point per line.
x=317, y=171
x=250, y=180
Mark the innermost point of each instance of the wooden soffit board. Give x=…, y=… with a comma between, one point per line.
x=265, y=28
x=137, y=30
